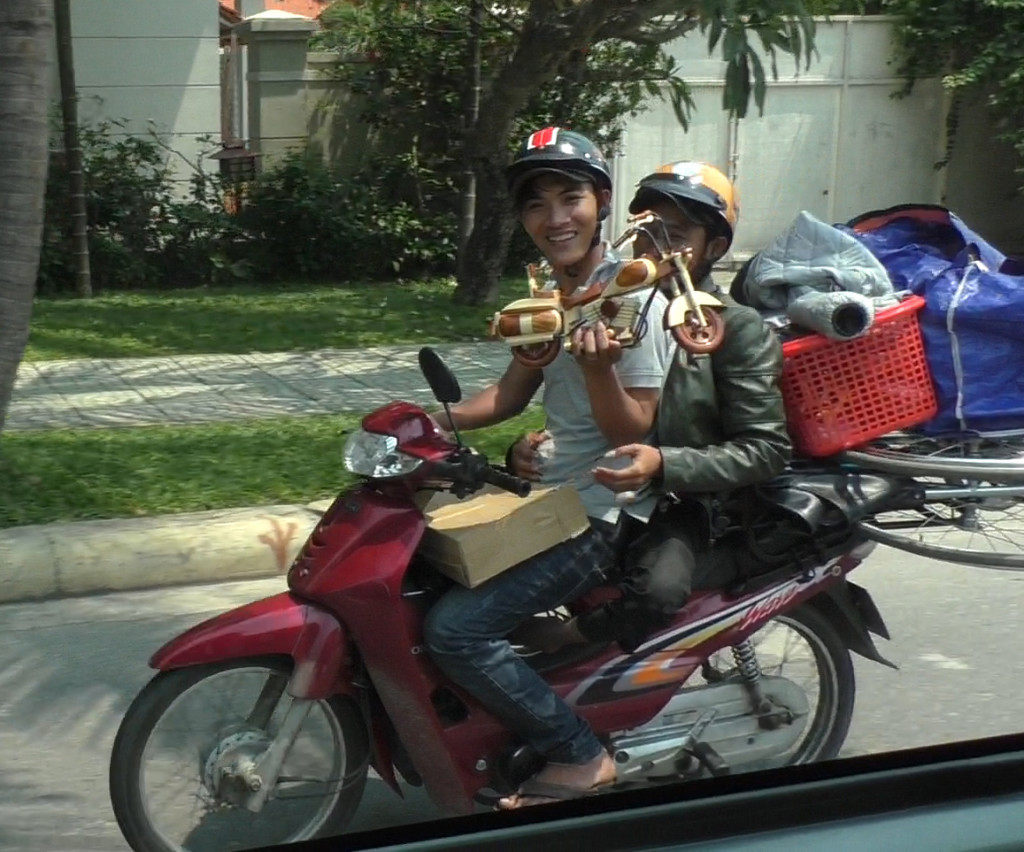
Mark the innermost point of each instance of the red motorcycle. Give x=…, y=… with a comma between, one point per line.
x=262, y=723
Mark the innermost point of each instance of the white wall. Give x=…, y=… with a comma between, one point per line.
x=832, y=140
x=149, y=61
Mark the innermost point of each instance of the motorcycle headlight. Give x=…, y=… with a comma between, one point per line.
x=377, y=456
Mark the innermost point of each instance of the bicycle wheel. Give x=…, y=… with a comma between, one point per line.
x=973, y=507
x=994, y=460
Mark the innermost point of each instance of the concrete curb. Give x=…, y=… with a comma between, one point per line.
x=88, y=557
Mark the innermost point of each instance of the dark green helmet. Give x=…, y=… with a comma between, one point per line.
x=554, y=150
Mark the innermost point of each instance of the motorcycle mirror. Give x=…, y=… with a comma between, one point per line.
x=442, y=380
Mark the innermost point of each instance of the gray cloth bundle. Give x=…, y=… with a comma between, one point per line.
x=820, y=279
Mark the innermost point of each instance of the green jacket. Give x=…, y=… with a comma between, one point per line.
x=721, y=423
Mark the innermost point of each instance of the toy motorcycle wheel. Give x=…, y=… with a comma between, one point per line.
x=536, y=355
x=693, y=337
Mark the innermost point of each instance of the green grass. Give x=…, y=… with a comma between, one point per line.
x=81, y=474
x=65, y=475
x=239, y=319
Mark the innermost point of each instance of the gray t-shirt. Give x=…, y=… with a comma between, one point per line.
x=576, y=444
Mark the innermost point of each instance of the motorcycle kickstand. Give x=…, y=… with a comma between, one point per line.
x=703, y=752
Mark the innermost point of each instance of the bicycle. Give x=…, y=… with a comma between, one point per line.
x=964, y=500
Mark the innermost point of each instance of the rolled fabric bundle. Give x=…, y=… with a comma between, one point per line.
x=840, y=315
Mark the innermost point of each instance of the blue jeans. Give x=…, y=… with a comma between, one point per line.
x=465, y=635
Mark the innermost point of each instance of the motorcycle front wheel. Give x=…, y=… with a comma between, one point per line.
x=804, y=647
x=171, y=783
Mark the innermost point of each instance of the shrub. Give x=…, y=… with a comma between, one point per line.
x=127, y=188
x=977, y=47
x=299, y=218
x=307, y=219
x=144, y=231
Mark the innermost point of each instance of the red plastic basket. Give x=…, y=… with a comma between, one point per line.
x=839, y=394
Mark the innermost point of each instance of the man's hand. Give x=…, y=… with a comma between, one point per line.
x=594, y=349
x=644, y=466
x=525, y=461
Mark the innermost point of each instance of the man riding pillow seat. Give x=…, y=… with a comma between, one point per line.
x=721, y=425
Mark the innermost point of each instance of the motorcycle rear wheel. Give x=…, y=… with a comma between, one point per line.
x=160, y=771
x=804, y=647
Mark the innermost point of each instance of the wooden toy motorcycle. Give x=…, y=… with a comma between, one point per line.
x=536, y=327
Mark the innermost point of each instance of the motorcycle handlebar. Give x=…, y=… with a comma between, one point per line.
x=468, y=471
x=519, y=487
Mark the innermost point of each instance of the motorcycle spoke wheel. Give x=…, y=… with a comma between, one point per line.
x=188, y=725
x=803, y=647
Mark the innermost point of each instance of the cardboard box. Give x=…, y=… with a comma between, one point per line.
x=471, y=540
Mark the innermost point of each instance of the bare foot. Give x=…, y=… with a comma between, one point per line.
x=561, y=781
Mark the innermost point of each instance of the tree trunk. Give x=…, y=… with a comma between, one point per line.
x=26, y=34
x=548, y=37
x=73, y=149
x=471, y=115
x=482, y=257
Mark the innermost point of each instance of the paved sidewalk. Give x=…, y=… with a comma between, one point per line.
x=206, y=388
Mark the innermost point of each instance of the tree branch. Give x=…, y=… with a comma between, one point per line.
x=647, y=35
x=651, y=22
x=502, y=23
x=548, y=35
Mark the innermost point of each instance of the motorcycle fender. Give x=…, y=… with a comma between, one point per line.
x=853, y=613
x=679, y=307
x=523, y=305
x=381, y=759
x=278, y=625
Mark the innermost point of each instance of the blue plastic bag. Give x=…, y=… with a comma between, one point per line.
x=973, y=321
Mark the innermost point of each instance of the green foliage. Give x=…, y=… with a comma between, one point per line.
x=204, y=243
x=144, y=229
x=415, y=72
x=593, y=64
x=125, y=181
x=417, y=57
x=414, y=61
x=977, y=47
x=149, y=229
x=828, y=8
x=306, y=219
x=786, y=27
